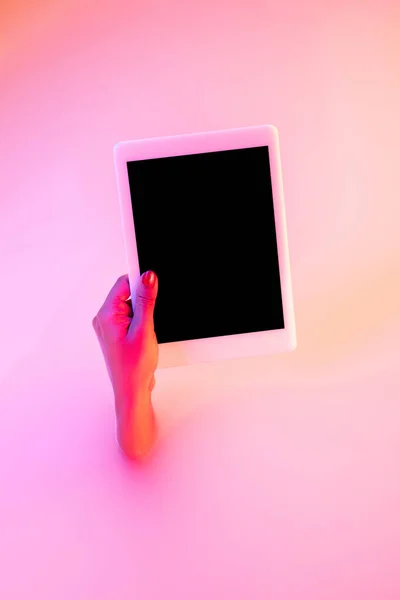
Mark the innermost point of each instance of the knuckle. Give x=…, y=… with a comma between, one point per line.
x=103, y=316
x=145, y=300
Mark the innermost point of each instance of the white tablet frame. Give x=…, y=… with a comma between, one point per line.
x=226, y=347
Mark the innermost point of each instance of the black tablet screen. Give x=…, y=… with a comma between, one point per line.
x=205, y=224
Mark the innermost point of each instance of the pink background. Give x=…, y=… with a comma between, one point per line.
x=275, y=478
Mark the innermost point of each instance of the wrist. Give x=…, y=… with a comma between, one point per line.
x=135, y=422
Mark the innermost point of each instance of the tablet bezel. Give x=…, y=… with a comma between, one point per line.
x=189, y=352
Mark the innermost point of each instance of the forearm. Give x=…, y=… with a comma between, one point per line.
x=136, y=426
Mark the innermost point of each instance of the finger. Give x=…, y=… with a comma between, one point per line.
x=117, y=296
x=146, y=295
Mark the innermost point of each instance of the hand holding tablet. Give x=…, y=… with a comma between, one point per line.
x=205, y=212
x=130, y=351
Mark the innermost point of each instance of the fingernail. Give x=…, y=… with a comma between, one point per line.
x=149, y=278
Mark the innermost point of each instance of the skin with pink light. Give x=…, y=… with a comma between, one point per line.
x=130, y=349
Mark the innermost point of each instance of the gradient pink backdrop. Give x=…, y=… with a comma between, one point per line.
x=276, y=478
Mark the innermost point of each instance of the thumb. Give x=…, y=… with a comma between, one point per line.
x=146, y=294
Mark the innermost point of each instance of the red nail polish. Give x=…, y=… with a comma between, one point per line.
x=149, y=278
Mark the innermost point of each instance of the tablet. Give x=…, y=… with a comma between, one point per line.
x=205, y=212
